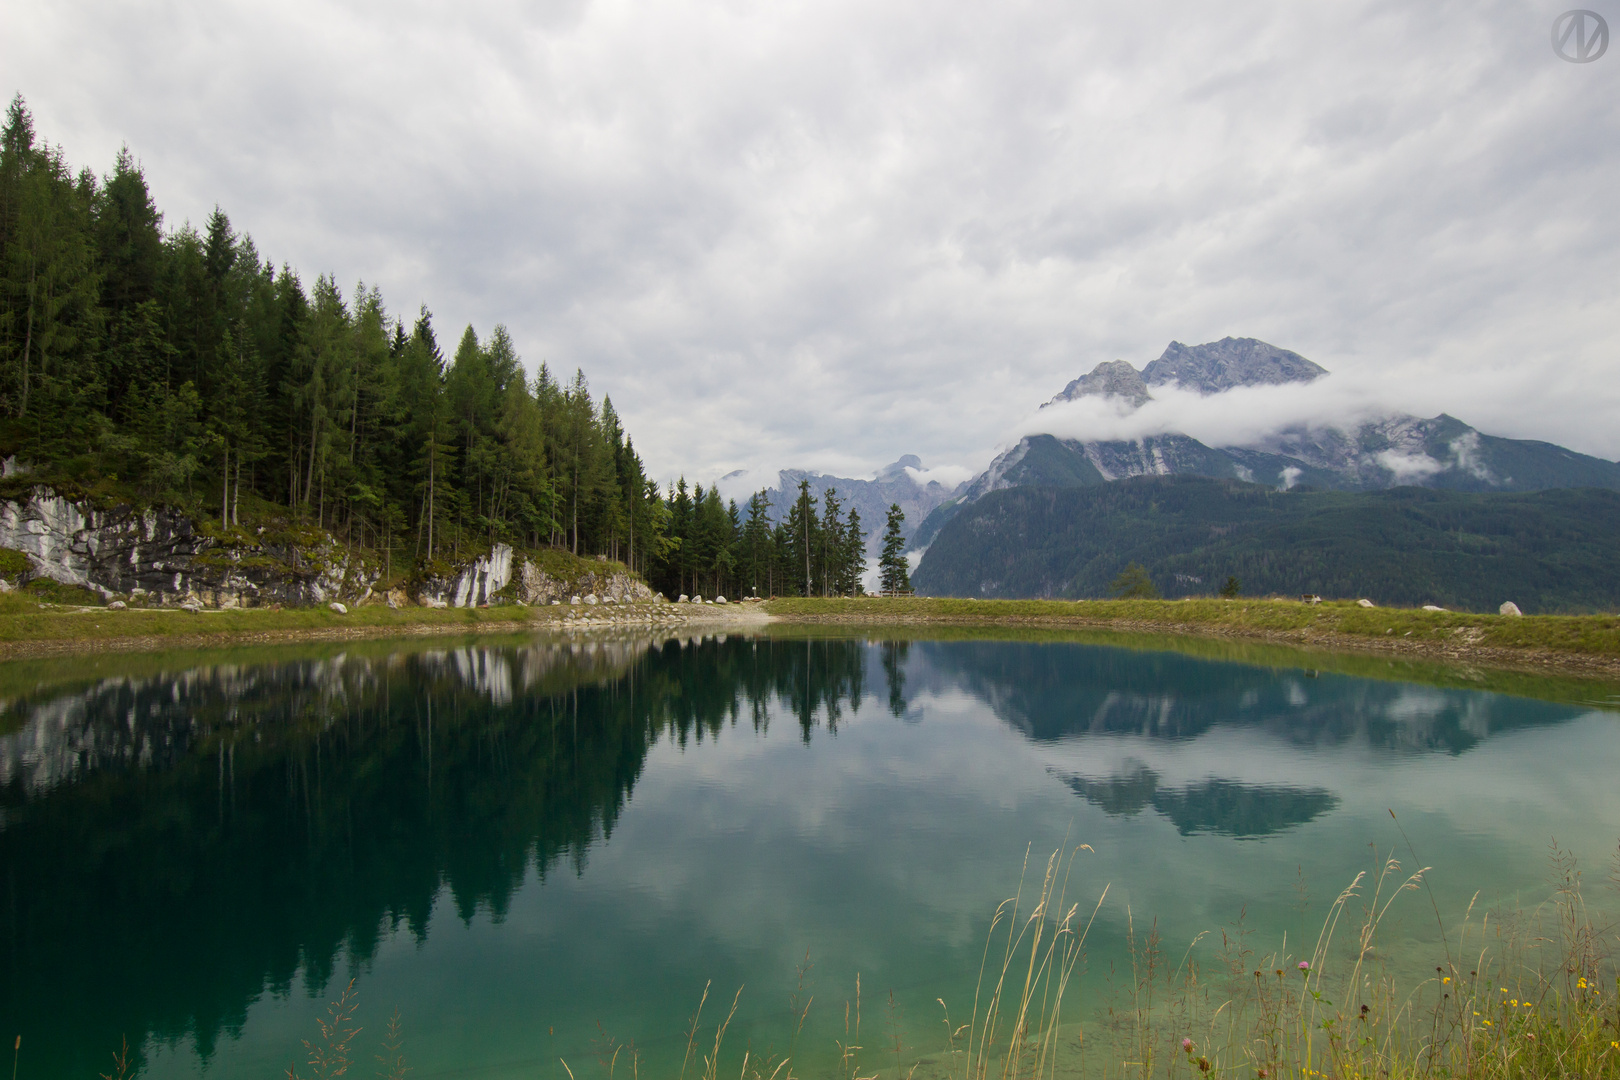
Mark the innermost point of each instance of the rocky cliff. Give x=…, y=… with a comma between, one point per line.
x=502, y=576
x=159, y=557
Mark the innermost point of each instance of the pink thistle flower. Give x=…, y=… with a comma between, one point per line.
x=1186, y=1044
x=1304, y=965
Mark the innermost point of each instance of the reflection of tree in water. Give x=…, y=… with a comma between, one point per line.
x=894, y=670
x=1054, y=691
x=173, y=846
x=1214, y=805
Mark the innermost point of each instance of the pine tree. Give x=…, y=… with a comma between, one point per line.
x=893, y=574
x=1134, y=583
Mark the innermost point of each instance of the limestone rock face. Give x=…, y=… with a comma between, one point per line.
x=1114, y=378
x=1509, y=608
x=504, y=574
x=158, y=555
x=1221, y=365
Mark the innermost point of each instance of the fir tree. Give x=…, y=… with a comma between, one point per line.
x=893, y=574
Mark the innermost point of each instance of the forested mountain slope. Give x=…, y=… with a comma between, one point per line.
x=1547, y=551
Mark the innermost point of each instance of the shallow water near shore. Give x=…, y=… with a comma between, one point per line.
x=540, y=851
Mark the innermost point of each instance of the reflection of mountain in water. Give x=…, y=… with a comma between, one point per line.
x=1055, y=691
x=172, y=846
x=1217, y=806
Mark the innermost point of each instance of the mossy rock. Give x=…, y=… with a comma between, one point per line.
x=12, y=563
x=54, y=592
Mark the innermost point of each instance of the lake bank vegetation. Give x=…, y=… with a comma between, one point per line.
x=1583, y=639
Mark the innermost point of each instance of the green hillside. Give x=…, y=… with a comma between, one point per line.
x=1548, y=551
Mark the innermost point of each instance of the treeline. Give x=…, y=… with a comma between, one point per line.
x=184, y=367
x=713, y=549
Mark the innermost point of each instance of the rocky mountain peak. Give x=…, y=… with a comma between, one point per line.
x=1113, y=378
x=897, y=469
x=1221, y=365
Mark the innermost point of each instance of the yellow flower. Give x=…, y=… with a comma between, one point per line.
x=1504, y=989
x=1448, y=979
x=1580, y=984
x=1514, y=1003
x=1487, y=1023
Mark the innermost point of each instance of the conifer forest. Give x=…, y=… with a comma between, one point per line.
x=154, y=365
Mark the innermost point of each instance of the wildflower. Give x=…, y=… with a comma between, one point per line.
x=1186, y=1045
x=1487, y=1023
x=1446, y=979
x=1304, y=965
x=1514, y=1003
x=1580, y=984
x=1504, y=989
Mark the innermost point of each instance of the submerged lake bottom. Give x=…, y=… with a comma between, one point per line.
x=542, y=852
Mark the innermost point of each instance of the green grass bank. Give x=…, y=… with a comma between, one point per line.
x=1577, y=642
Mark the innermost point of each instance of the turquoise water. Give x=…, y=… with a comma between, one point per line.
x=539, y=851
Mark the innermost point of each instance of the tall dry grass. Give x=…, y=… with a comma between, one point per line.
x=1515, y=994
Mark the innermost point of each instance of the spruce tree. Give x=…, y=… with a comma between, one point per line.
x=893, y=574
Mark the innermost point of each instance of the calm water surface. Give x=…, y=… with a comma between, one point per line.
x=531, y=849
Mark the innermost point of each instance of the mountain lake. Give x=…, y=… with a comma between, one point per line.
x=542, y=852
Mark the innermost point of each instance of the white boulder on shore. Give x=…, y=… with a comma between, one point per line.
x=1365, y=603
x=1509, y=608
x=1432, y=607
x=339, y=608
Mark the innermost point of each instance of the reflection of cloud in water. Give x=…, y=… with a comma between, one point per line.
x=1213, y=805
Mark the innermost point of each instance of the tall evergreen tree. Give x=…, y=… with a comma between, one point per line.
x=893, y=574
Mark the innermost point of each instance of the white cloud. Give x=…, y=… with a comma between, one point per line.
x=825, y=234
x=946, y=475
x=1409, y=468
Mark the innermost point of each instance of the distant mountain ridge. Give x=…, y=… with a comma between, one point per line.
x=893, y=484
x=1548, y=551
x=1439, y=452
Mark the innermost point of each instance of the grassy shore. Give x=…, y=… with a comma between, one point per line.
x=1582, y=642
x=29, y=628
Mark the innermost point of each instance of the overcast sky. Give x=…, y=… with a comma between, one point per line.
x=824, y=233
